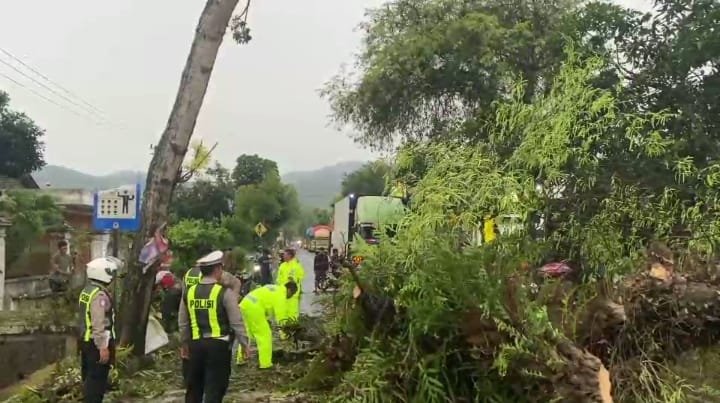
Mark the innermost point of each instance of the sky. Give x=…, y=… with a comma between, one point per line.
x=121, y=63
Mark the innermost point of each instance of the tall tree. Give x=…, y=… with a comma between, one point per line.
x=21, y=150
x=253, y=169
x=209, y=197
x=368, y=180
x=165, y=167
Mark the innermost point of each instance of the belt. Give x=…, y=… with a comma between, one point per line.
x=209, y=336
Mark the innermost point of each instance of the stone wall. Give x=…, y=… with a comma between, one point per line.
x=24, y=353
x=32, y=339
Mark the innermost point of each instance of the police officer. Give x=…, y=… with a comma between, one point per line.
x=97, y=332
x=209, y=317
x=192, y=277
x=291, y=270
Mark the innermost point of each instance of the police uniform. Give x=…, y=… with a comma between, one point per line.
x=97, y=331
x=292, y=270
x=257, y=307
x=209, y=320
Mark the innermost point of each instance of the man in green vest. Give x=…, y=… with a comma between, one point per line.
x=209, y=319
x=97, y=331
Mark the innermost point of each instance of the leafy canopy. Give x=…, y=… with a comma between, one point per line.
x=32, y=215
x=368, y=180
x=21, y=147
x=253, y=169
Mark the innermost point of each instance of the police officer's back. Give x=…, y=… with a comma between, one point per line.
x=209, y=319
x=97, y=328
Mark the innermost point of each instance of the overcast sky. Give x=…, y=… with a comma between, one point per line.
x=125, y=58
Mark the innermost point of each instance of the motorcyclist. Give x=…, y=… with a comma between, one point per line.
x=321, y=265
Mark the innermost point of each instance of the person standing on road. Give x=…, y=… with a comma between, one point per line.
x=208, y=319
x=321, y=265
x=265, y=272
x=192, y=277
x=291, y=270
x=257, y=308
x=97, y=332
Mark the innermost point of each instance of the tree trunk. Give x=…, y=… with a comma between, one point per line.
x=167, y=162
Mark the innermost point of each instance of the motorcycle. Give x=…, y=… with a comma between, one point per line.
x=250, y=279
x=331, y=280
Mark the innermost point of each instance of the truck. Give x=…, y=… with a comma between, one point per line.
x=319, y=238
x=359, y=219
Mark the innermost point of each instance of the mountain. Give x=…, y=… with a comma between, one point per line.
x=315, y=188
x=318, y=188
x=66, y=178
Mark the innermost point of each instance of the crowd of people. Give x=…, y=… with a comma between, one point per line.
x=208, y=311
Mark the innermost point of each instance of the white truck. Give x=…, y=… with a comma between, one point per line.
x=358, y=218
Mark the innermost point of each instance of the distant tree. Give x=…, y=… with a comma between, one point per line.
x=253, y=169
x=271, y=202
x=369, y=180
x=209, y=197
x=21, y=151
x=188, y=237
x=31, y=216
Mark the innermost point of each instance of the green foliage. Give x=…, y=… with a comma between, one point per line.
x=210, y=197
x=190, y=237
x=270, y=202
x=21, y=148
x=368, y=180
x=427, y=65
x=252, y=170
x=553, y=158
x=32, y=215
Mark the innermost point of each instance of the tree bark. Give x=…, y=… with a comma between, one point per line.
x=167, y=161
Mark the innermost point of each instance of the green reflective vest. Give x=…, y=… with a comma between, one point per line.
x=87, y=295
x=208, y=317
x=192, y=277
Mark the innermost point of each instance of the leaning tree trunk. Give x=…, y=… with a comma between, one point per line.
x=167, y=161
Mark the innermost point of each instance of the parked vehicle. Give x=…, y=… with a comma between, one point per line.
x=360, y=220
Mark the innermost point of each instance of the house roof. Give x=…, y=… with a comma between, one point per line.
x=23, y=182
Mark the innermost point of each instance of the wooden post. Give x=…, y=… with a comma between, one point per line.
x=4, y=223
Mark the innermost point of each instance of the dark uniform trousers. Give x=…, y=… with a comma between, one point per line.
x=94, y=375
x=208, y=370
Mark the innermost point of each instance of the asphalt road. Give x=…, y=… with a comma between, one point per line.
x=307, y=298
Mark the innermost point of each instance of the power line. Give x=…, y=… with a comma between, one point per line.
x=85, y=109
x=43, y=97
x=46, y=78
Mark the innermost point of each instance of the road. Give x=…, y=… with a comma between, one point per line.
x=307, y=301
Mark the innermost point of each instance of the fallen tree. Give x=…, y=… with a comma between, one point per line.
x=477, y=324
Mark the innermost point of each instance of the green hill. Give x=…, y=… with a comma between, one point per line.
x=66, y=178
x=318, y=188
x=315, y=188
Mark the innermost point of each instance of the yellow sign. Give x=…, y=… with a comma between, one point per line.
x=260, y=229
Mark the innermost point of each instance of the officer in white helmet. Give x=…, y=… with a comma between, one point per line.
x=97, y=327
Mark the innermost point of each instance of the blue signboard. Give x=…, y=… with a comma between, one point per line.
x=117, y=209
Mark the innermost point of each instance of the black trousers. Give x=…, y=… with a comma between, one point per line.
x=208, y=370
x=94, y=375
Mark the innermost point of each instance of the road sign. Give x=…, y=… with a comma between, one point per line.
x=260, y=229
x=117, y=209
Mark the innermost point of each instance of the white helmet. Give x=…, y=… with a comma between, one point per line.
x=103, y=269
